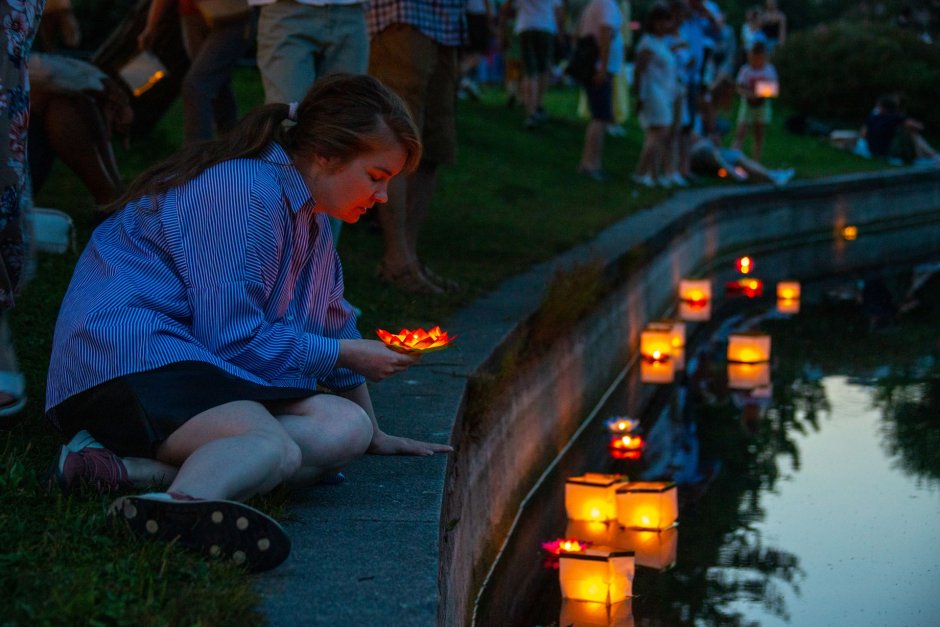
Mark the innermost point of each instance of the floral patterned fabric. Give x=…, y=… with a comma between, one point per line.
x=19, y=20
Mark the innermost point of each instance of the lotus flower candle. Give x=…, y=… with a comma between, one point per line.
x=622, y=424
x=417, y=341
x=598, y=574
x=592, y=496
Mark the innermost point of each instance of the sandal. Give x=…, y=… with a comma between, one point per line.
x=215, y=528
x=12, y=385
x=409, y=279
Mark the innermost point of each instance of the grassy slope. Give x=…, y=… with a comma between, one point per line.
x=513, y=199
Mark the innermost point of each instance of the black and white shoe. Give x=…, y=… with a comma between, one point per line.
x=218, y=529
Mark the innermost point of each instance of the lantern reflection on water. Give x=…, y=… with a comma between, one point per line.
x=748, y=376
x=748, y=347
x=647, y=504
x=655, y=549
x=657, y=371
x=591, y=532
x=592, y=496
x=599, y=574
x=695, y=296
x=591, y=614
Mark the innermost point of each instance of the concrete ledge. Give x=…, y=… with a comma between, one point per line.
x=407, y=540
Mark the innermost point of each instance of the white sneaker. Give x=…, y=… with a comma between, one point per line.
x=645, y=180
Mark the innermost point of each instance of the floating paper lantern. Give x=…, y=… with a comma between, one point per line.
x=750, y=287
x=744, y=264
x=788, y=290
x=748, y=376
x=849, y=233
x=592, y=496
x=142, y=72
x=599, y=574
x=591, y=532
x=657, y=371
x=695, y=296
x=675, y=328
x=622, y=424
x=417, y=341
x=627, y=442
x=767, y=89
x=591, y=614
x=656, y=344
x=748, y=347
x=647, y=504
x=655, y=549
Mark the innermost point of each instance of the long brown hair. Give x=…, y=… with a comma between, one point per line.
x=341, y=117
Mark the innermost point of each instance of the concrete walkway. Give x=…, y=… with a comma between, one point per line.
x=367, y=552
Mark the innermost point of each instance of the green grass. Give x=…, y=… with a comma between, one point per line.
x=513, y=199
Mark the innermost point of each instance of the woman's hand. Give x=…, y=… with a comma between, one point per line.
x=384, y=444
x=373, y=359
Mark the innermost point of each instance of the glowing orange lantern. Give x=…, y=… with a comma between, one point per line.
x=748, y=347
x=850, y=233
x=695, y=298
x=748, y=376
x=576, y=613
x=767, y=89
x=656, y=344
x=592, y=496
x=657, y=371
x=722, y=173
x=675, y=328
x=417, y=341
x=142, y=72
x=598, y=574
x=647, y=505
x=622, y=424
x=590, y=532
x=745, y=264
x=627, y=442
x=788, y=290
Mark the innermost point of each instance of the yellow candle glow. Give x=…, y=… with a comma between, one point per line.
x=647, y=504
x=656, y=343
x=748, y=347
x=849, y=233
x=695, y=297
x=767, y=89
x=788, y=306
x=598, y=574
x=675, y=328
x=745, y=264
x=788, y=290
x=417, y=341
x=592, y=614
x=592, y=496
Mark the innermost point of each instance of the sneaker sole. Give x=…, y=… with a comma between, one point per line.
x=217, y=529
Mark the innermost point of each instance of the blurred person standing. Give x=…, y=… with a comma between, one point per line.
x=538, y=24
x=773, y=25
x=413, y=50
x=755, y=111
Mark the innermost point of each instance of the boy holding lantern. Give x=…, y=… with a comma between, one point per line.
x=757, y=83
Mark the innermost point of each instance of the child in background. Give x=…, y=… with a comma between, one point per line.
x=755, y=111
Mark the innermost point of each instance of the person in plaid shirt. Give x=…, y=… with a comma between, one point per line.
x=413, y=50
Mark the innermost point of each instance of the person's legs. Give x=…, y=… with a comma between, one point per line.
x=757, y=150
x=650, y=154
x=600, y=103
x=289, y=43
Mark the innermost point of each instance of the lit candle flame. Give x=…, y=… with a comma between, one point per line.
x=417, y=341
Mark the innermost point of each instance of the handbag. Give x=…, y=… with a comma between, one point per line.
x=583, y=60
x=52, y=230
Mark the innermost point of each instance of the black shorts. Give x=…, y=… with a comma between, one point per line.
x=601, y=100
x=478, y=33
x=133, y=414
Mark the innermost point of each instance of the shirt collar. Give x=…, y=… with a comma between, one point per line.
x=295, y=189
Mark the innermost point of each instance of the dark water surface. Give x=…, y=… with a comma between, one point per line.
x=817, y=505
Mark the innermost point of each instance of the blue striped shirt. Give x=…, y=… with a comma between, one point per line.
x=233, y=268
x=444, y=21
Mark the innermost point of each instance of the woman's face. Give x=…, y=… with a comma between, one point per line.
x=349, y=190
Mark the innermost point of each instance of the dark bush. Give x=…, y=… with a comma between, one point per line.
x=838, y=72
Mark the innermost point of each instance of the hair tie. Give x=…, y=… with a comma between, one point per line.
x=292, y=111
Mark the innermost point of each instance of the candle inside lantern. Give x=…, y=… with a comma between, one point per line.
x=590, y=532
x=655, y=549
x=656, y=343
x=745, y=264
x=657, y=371
x=599, y=574
x=788, y=290
x=647, y=505
x=622, y=424
x=576, y=613
x=417, y=341
x=748, y=347
x=766, y=89
x=592, y=496
x=748, y=376
x=142, y=72
x=695, y=297
x=675, y=328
